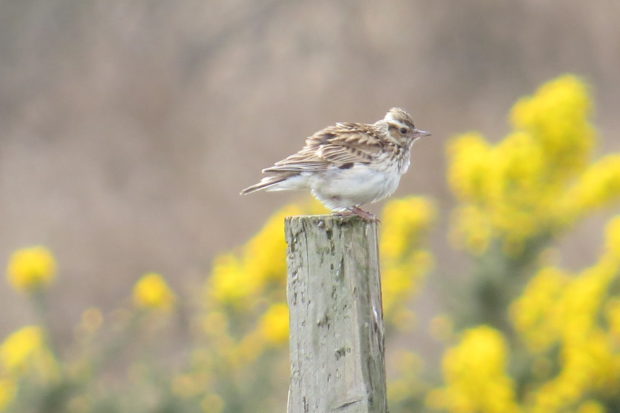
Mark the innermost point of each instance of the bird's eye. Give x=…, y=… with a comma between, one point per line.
x=403, y=130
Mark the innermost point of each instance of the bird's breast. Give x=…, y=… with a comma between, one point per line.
x=360, y=184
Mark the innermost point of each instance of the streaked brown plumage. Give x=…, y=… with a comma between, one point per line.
x=348, y=164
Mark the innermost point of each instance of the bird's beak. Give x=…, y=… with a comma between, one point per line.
x=419, y=133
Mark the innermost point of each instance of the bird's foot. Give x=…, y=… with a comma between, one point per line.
x=355, y=210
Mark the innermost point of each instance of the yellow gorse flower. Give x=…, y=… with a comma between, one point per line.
x=561, y=311
x=612, y=239
x=20, y=346
x=556, y=306
x=596, y=187
x=30, y=269
x=151, y=292
x=405, y=224
x=556, y=116
x=538, y=180
x=8, y=388
x=515, y=196
x=26, y=350
x=476, y=377
x=238, y=279
x=591, y=406
x=274, y=324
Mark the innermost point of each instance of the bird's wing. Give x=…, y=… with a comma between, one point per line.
x=335, y=146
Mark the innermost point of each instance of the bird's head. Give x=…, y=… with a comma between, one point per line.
x=401, y=128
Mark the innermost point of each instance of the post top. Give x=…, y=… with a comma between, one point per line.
x=329, y=219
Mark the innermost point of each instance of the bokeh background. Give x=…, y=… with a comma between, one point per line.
x=129, y=127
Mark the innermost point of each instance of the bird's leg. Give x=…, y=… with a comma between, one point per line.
x=363, y=214
x=357, y=211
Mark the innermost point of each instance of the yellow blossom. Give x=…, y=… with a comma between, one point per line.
x=591, y=406
x=530, y=185
x=612, y=239
x=470, y=167
x=534, y=313
x=588, y=366
x=152, y=292
x=267, y=249
x=229, y=284
x=557, y=116
x=31, y=268
x=596, y=187
x=26, y=349
x=237, y=279
x=20, y=346
x=8, y=388
x=274, y=324
x=612, y=314
x=473, y=229
x=400, y=279
x=406, y=222
x=565, y=312
x=475, y=375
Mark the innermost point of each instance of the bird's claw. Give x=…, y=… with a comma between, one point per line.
x=368, y=216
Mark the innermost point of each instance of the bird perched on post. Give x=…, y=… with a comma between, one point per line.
x=349, y=164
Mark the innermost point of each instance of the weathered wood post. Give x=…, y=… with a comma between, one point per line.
x=336, y=316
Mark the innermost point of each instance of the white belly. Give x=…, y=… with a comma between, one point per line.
x=339, y=189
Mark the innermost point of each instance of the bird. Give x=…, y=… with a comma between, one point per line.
x=348, y=164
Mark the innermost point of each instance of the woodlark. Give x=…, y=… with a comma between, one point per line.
x=348, y=164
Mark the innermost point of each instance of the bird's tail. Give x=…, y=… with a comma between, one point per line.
x=266, y=183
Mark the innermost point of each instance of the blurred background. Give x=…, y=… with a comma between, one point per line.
x=128, y=128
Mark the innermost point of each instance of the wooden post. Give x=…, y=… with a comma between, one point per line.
x=336, y=316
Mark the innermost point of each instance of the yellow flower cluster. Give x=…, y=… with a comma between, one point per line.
x=151, y=292
x=475, y=375
x=31, y=269
x=556, y=117
x=561, y=311
x=244, y=322
x=24, y=352
x=238, y=280
x=245, y=314
x=274, y=324
x=535, y=313
x=598, y=186
x=537, y=180
x=21, y=347
x=519, y=194
x=8, y=389
x=405, y=224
